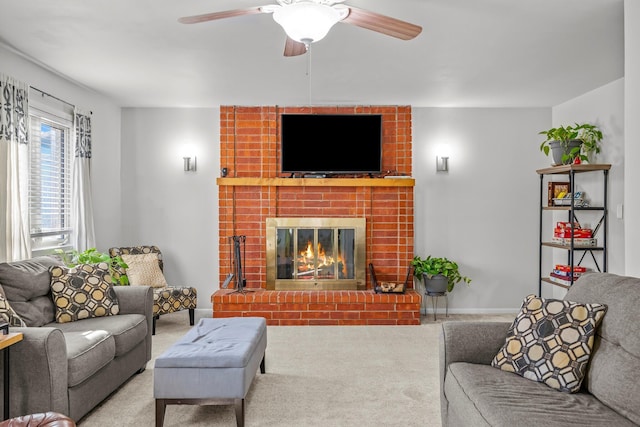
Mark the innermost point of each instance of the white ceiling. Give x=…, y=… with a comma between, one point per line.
x=471, y=53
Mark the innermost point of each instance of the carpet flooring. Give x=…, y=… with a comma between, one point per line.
x=321, y=376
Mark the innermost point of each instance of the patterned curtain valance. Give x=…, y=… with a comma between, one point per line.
x=14, y=110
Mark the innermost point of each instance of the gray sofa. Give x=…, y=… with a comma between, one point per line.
x=70, y=367
x=473, y=393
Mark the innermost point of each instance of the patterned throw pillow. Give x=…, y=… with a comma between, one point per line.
x=7, y=314
x=82, y=292
x=551, y=341
x=144, y=269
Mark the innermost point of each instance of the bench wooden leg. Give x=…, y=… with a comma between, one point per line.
x=191, y=316
x=161, y=405
x=239, y=403
x=262, y=367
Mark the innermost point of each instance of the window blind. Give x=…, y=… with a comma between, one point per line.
x=50, y=177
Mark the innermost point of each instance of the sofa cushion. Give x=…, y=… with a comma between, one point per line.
x=551, y=341
x=483, y=395
x=7, y=314
x=27, y=287
x=88, y=352
x=127, y=330
x=174, y=298
x=82, y=292
x=613, y=375
x=144, y=269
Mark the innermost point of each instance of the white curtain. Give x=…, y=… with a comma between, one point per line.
x=15, y=240
x=81, y=193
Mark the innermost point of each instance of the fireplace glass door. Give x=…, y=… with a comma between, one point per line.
x=312, y=254
x=319, y=257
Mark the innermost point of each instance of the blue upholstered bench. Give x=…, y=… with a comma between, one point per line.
x=213, y=364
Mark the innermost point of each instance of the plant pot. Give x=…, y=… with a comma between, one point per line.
x=558, y=151
x=436, y=285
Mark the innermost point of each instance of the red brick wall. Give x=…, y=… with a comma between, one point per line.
x=249, y=147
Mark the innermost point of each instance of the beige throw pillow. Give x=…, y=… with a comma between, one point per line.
x=144, y=270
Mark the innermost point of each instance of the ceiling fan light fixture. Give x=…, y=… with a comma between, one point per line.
x=307, y=22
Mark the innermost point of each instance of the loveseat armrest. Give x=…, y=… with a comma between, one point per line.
x=38, y=371
x=471, y=342
x=137, y=300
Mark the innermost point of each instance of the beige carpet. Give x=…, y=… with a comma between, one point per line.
x=321, y=376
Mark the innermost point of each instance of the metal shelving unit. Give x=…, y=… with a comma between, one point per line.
x=597, y=253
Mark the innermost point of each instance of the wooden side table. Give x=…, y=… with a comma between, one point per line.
x=7, y=341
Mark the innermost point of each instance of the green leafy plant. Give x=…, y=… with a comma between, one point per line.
x=93, y=256
x=590, y=136
x=431, y=266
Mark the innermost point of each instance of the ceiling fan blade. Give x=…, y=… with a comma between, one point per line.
x=382, y=24
x=294, y=48
x=219, y=15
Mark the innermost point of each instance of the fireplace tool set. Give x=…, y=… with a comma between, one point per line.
x=238, y=271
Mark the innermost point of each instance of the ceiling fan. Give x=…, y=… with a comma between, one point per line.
x=308, y=21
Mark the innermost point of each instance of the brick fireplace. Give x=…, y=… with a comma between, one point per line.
x=255, y=190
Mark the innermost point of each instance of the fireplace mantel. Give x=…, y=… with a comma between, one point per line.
x=317, y=182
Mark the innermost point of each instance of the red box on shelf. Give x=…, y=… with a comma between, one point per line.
x=577, y=232
x=567, y=268
x=567, y=225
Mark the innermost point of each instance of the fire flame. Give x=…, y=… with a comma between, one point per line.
x=307, y=259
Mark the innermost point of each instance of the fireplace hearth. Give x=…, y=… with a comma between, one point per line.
x=316, y=253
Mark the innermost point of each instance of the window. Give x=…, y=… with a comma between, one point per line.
x=50, y=176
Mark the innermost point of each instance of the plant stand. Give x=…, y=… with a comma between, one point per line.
x=434, y=301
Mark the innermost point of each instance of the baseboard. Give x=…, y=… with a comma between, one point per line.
x=202, y=313
x=442, y=310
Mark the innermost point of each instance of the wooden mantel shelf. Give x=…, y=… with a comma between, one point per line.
x=317, y=182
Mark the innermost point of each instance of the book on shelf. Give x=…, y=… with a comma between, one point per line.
x=566, y=274
x=556, y=189
x=563, y=280
x=577, y=241
x=567, y=268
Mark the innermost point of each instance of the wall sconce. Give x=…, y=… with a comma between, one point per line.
x=442, y=164
x=189, y=166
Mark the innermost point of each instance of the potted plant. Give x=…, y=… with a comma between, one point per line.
x=438, y=274
x=569, y=144
x=93, y=256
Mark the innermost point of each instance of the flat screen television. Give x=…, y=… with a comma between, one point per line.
x=331, y=143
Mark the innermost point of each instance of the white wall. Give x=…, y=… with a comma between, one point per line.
x=604, y=107
x=484, y=212
x=105, y=123
x=632, y=135
x=163, y=204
